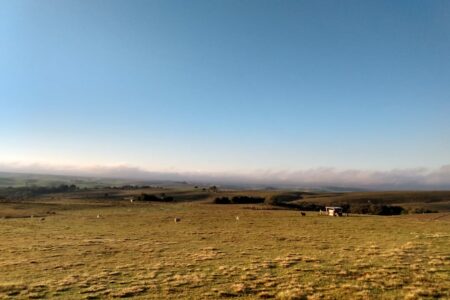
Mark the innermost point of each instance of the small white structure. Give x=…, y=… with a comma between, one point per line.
x=131, y=199
x=333, y=211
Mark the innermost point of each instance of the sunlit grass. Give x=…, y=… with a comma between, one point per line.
x=137, y=250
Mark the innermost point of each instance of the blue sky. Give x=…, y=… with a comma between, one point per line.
x=226, y=86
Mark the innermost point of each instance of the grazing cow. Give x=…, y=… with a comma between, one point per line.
x=303, y=214
x=237, y=218
x=176, y=220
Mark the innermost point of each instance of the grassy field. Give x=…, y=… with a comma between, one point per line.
x=77, y=247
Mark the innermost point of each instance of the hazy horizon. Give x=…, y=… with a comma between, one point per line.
x=398, y=179
x=352, y=93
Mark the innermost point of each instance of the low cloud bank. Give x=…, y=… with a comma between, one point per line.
x=396, y=179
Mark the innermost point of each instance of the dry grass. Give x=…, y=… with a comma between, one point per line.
x=136, y=250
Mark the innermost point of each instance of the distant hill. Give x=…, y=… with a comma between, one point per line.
x=26, y=179
x=9, y=179
x=30, y=185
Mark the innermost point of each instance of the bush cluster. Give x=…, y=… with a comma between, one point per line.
x=239, y=200
x=302, y=206
x=150, y=197
x=421, y=211
x=374, y=209
x=32, y=191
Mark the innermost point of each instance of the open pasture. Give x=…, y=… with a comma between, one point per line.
x=137, y=250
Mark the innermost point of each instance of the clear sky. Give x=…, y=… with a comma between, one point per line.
x=226, y=86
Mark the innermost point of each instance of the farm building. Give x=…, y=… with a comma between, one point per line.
x=333, y=211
